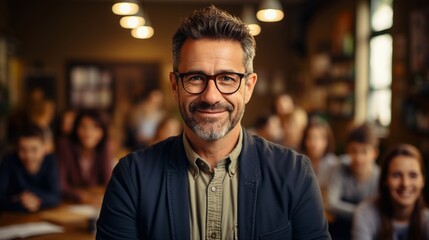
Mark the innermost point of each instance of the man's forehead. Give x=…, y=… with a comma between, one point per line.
x=210, y=41
x=212, y=51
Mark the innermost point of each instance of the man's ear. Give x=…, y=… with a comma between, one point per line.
x=250, y=86
x=174, y=86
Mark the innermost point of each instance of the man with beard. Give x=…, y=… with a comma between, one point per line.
x=215, y=180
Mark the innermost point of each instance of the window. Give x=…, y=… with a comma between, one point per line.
x=380, y=63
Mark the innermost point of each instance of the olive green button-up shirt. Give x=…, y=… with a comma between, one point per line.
x=213, y=195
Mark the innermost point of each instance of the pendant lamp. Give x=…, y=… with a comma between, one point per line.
x=250, y=20
x=125, y=7
x=270, y=11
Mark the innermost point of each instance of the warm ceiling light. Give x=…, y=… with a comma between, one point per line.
x=131, y=21
x=270, y=11
x=125, y=8
x=255, y=29
x=248, y=17
x=143, y=32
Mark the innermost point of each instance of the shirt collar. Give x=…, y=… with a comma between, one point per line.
x=196, y=163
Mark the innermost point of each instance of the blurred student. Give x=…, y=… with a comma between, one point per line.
x=85, y=157
x=64, y=124
x=168, y=127
x=144, y=119
x=293, y=126
x=353, y=182
x=37, y=109
x=293, y=120
x=29, y=178
x=398, y=212
x=283, y=105
x=42, y=114
x=269, y=127
x=318, y=144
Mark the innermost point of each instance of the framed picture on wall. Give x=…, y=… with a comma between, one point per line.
x=101, y=85
x=90, y=86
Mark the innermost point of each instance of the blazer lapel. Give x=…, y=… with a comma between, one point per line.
x=177, y=192
x=247, y=188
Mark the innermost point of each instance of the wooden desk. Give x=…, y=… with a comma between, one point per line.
x=75, y=224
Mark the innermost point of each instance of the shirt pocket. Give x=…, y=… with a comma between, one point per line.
x=281, y=233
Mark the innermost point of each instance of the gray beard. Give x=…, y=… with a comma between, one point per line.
x=210, y=129
x=209, y=133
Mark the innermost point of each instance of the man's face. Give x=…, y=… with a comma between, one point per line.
x=211, y=114
x=31, y=152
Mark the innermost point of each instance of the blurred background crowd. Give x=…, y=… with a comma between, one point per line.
x=52, y=158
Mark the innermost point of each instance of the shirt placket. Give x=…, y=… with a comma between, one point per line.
x=214, y=208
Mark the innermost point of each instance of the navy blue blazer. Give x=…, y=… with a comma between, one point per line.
x=278, y=195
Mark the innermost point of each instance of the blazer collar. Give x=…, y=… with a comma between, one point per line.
x=248, y=160
x=249, y=178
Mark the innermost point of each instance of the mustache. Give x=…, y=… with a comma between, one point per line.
x=201, y=105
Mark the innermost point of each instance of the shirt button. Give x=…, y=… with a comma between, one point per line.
x=213, y=190
x=213, y=235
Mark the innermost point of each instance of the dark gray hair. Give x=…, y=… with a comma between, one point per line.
x=213, y=23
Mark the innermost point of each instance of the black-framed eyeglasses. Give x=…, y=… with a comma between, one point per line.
x=226, y=82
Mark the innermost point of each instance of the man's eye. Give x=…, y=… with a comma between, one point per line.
x=226, y=78
x=196, y=78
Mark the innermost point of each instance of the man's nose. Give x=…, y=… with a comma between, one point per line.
x=211, y=94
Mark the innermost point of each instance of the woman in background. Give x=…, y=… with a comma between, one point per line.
x=84, y=157
x=399, y=211
x=318, y=144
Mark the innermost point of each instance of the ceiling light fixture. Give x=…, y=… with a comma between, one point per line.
x=145, y=31
x=270, y=11
x=249, y=19
x=125, y=7
x=133, y=21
